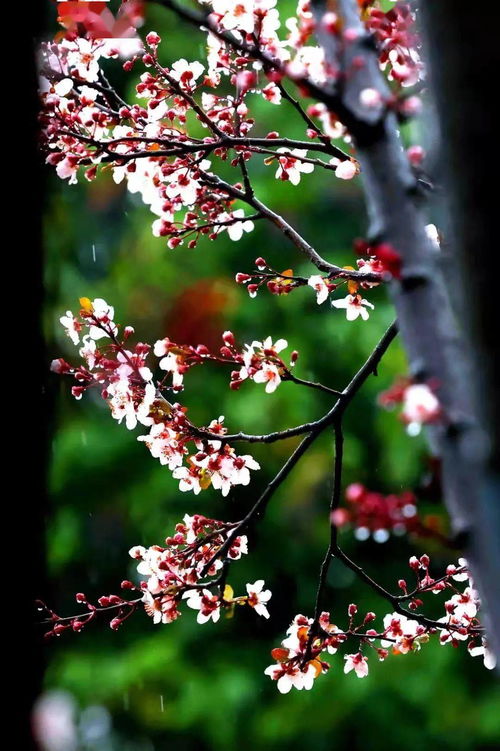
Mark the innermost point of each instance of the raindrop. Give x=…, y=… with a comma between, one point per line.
x=93, y=252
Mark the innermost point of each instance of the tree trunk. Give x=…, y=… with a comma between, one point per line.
x=434, y=345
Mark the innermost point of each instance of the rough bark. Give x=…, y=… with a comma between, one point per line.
x=463, y=74
x=434, y=345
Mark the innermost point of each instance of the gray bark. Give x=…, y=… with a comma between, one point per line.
x=431, y=335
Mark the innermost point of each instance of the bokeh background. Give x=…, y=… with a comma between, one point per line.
x=184, y=686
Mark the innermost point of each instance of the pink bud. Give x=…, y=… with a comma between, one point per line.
x=370, y=98
x=242, y=278
x=416, y=155
x=355, y=492
x=350, y=35
x=352, y=610
x=59, y=366
x=115, y=624
x=126, y=584
x=330, y=22
x=414, y=563
x=273, y=134
x=128, y=331
x=346, y=170
x=153, y=39
x=340, y=517
x=80, y=597
x=228, y=338
x=425, y=560
x=245, y=80
x=260, y=263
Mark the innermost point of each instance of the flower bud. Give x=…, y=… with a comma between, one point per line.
x=153, y=39
x=414, y=563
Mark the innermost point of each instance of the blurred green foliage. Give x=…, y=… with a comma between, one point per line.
x=184, y=686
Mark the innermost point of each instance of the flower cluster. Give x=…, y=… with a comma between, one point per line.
x=262, y=364
x=278, y=283
x=167, y=146
x=420, y=404
x=258, y=361
x=398, y=42
x=353, y=304
x=303, y=654
x=282, y=283
x=183, y=569
x=126, y=383
x=377, y=515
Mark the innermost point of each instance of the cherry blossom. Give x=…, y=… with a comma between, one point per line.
x=189, y=155
x=488, y=656
x=257, y=597
x=345, y=170
x=354, y=306
x=320, y=286
x=72, y=325
x=272, y=93
x=269, y=375
x=288, y=678
x=291, y=167
x=420, y=406
x=186, y=73
x=373, y=514
x=207, y=605
x=356, y=662
x=236, y=229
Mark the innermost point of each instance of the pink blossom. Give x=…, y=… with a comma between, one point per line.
x=291, y=167
x=320, y=286
x=257, y=597
x=208, y=605
x=358, y=663
x=354, y=306
x=72, y=325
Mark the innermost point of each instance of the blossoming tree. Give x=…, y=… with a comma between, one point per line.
x=351, y=73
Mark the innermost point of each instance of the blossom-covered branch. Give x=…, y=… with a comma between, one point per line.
x=187, y=149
